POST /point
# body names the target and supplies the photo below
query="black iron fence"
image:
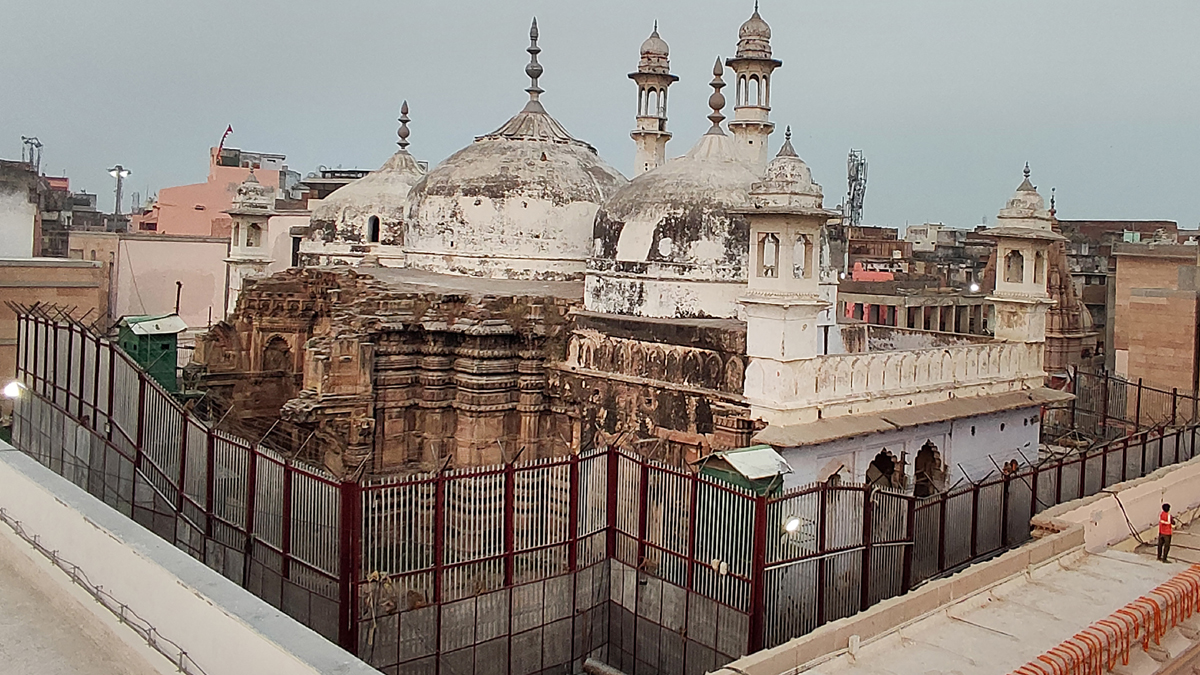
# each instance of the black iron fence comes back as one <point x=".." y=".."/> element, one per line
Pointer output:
<point x="533" y="567"/>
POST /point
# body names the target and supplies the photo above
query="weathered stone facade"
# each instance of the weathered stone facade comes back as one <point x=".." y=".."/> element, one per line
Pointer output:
<point x="396" y="369"/>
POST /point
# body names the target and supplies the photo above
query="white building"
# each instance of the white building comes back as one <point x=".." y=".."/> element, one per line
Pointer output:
<point x="722" y="240"/>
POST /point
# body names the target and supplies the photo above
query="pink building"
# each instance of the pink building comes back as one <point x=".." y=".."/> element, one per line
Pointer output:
<point x="199" y="209"/>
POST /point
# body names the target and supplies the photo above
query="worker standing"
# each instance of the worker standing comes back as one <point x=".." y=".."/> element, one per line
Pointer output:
<point x="1165" y="528"/>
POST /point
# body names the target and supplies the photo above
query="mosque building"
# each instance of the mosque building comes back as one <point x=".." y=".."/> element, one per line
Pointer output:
<point x="523" y="299"/>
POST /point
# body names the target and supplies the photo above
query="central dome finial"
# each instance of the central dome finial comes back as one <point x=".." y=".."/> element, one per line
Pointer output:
<point x="717" y="100"/>
<point x="403" y="132"/>
<point x="534" y="69"/>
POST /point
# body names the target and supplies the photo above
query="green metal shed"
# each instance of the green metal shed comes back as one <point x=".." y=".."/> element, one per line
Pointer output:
<point x="152" y="341"/>
<point x="758" y="468"/>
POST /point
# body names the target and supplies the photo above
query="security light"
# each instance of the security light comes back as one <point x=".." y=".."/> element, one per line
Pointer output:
<point x="13" y="389"/>
<point x="792" y="525"/>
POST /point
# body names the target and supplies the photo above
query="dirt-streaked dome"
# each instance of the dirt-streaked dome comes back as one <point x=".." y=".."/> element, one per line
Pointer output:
<point x="666" y="245"/>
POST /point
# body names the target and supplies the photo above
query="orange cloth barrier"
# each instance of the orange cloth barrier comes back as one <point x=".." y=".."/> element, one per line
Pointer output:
<point x="1096" y="649"/>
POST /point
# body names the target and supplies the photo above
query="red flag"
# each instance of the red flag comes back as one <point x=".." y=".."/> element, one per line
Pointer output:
<point x="228" y="130"/>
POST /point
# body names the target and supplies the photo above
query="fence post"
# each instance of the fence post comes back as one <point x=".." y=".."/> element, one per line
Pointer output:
<point x="614" y="468"/>
<point x="439" y="538"/>
<point x="974" y="521"/>
<point x="1004" y="511"/>
<point x="758" y="574"/>
<point x="1075" y="399"/>
<point x="1142" y="468"/>
<point x="864" y="600"/>
<point x="285" y="534"/>
<point x="112" y="385"/>
<point x="141" y="421"/>
<point x="251" y="494"/>
<point x="573" y="516"/>
<point x="1174" y="405"/>
<point x="1104" y="405"/>
<point x="1033" y="489"/>
<point x="941" y="558"/>
<point x="510" y="518"/>
<point x="210" y="481"/>
<point x="183" y="451"/>
<point x="350" y="542"/>
<point x="643" y="514"/>
<point x="822" y="514"/>
<point x="1103" y="467"/>
<point x="910" y="529"/>
<point x="54" y="365"/>
<point x="1137" y="415"/>
<point x="1124" y="459"/>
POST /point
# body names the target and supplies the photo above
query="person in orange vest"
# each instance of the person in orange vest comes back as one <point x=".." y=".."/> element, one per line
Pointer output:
<point x="1165" y="528"/>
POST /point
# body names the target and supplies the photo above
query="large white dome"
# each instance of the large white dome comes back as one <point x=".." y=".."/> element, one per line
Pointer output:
<point x="517" y="203"/>
<point x="667" y="244"/>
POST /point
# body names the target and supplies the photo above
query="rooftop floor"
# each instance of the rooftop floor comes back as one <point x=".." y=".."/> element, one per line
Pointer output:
<point x="1001" y="629"/>
<point x="47" y="629"/>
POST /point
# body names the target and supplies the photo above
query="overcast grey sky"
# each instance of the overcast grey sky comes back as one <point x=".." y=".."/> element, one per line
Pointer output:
<point x="947" y="98"/>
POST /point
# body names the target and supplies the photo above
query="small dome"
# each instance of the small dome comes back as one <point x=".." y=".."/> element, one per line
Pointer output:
<point x="655" y="55"/>
<point x="655" y="46"/>
<point x="345" y="215"/>
<point x="754" y="38"/>
<point x="1027" y="204"/>
<point x="668" y="244"/>
<point x="252" y="195"/>
<point x="788" y="181"/>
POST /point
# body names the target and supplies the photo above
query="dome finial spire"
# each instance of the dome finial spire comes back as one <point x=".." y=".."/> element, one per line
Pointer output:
<point x="787" y="150"/>
<point x="756" y="6"/>
<point x="717" y="100"/>
<point x="1026" y="186"/>
<point x="403" y="132"/>
<point x="534" y="69"/>
<point x="655" y="27"/>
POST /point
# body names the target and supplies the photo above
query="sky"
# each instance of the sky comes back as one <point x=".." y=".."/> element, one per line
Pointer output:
<point x="946" y="98"/>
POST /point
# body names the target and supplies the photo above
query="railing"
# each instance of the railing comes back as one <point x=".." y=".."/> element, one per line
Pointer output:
<point x="924" y="375"/>
<point x="269" y="524"/>
<point x="535" y="566"/>
<point x="1106" y="407"/>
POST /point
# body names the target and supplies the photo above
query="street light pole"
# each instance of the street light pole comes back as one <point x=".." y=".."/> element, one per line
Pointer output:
<point x="119" y="172"/>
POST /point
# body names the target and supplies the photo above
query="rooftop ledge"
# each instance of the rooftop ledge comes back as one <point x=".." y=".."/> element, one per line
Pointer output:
<point x="223" y="628"/>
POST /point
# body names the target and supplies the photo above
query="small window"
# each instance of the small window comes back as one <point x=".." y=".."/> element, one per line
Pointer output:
<point x="373" y="229"/>
<point x="1014" y="267"/>
<point x="768" y="256"/>
<point x="1002" y="426"/>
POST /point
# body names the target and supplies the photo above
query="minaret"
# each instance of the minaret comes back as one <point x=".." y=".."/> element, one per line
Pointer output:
<point x="653" y="78"/>
<point x="249" y="249"/>
<point x="783" y="298"/>
<point x="1024" y="232"/>
<point x="753" y="65"/>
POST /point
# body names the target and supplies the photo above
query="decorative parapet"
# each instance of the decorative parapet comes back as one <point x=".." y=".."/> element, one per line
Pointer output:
<point x="846" y="384"/>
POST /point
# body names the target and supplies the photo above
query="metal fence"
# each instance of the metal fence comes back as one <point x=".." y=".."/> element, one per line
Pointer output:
<point x="1108" y="407"/>
<point x="533" y="567"/>
<point x="99" y="420"/>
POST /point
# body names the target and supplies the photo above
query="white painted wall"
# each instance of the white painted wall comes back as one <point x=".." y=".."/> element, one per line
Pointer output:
<point x="963" y="443"/>
<point x="17" y="217"/>
<point x="223" y="627"/>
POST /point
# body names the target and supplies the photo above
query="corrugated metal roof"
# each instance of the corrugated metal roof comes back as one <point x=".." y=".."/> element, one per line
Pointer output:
<point x="167" y="324"/>
<point x="755" y="463"/>
<point x="822" y="431"/>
